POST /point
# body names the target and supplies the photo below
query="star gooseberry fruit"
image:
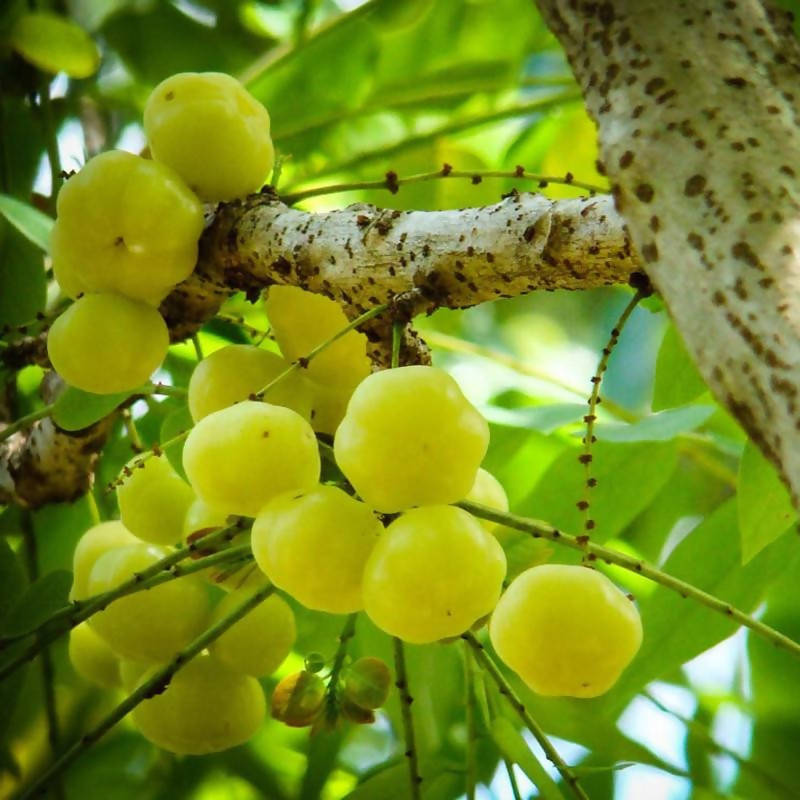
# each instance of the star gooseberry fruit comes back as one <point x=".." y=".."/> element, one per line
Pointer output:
<point x="106" y="343"/>
<point x="566" y="630"/>
<point x="212" y="132"/>
<point x="205" y="708"/>
<point x="433" y="573"/>
<point x="126" y="225"/>
<point x="410" y="438"/>
<point x="240" y="457"/>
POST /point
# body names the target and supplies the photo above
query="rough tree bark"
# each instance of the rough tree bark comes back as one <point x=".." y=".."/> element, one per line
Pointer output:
<point x="698" y="125"/>
<point x="697" y="106"/>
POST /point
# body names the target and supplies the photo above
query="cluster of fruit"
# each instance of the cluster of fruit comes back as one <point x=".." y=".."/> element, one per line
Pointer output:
<point x="127" y="227"/>
<point x="383" y="536"/>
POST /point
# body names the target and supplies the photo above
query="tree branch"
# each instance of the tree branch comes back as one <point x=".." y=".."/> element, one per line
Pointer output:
<point x="697" y="111"/>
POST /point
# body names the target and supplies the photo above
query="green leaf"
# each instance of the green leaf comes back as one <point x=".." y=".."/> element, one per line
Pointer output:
<point x="765" y="508"/>
<point x="513" y="746"/>
<point x="677" y="380"/>
<point x="55" y="44"/>
<point x="29" y="221"/>
<point x="75" y="409"/>
<point x="175" y="423"/>
<point x="545" y="418"/>
<point x="629" y="475"/>
<point x="677" y="629"/>
<point x="38" y="602"/>
<point x="23" y="284"/>
<point x="658" y="427"/>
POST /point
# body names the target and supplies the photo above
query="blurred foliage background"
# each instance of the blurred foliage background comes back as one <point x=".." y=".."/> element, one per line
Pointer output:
<point x="355" y="89"/>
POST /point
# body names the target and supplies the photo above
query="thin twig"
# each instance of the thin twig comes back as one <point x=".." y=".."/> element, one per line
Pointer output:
<point x="331" y="695"/>
<point x="415" y="779"/>
<point x="79" y="611"/>
<point x="391" y="182"/>
<point x="26" y="421"/>
<point x="154" y="685"/>
<point x="302" y="363"/>
<point x="585" y="457"/>
<point x="471" y="723"/>
<point x="540" y="530"/>
<point x="397" y="340"/>
<point x="504" y="687"/>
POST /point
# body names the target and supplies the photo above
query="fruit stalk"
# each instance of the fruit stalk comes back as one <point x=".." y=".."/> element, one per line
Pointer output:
<point x="152" y="686"/>
<point x="406" y="700"/>
<point x="485" y="661"/>
<point x="164" y="570"/>
<point x="348" y="632"/>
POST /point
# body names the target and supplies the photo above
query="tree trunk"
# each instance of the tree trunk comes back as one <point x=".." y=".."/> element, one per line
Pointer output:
<point x="696" y="103"/>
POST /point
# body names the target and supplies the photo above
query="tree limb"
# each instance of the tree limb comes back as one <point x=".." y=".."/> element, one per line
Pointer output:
<point x="697" y="112"/>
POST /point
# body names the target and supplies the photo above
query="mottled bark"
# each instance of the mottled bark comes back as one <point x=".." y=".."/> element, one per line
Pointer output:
<point x="362" y="256"/>
<point x="696" y="103"/>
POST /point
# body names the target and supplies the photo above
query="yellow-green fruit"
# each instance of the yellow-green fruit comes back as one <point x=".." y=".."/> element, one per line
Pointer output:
<point x="200" y="519"/>
<point x="258" y="644"/>
<point x="105" y="343"/>
<point x="410" y="438"/>
<point x="126" y="225"/>
<point x="212" y="132"/>
<point x="239" y="458"/>
<point x="328" y="406"/>
<point x="96" y="541"/>
<point x="314" y="546"/>
<point x="92" y="658"/>
<point x="566" y="630"/>
<point x="149" y="625"/>
<point x="488" y="491"/>
<point x="235" y="372"/>
<point x="153" y="501"/>
<point x="297" y="699"/>
<point x="206" y="708"/>
<point x="131" y="671"/>
<point x="432" y="574"/>
<point x="302" y="320"/>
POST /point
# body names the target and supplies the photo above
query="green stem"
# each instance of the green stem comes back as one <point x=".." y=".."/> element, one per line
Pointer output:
<point x="51" y="141"/>
<point x="133" y="433"/>
<point x="251" y="330"/>
<point x="74" y="614"/>
<point x="397" y="341"/>
<point x="46" y="659"/>
<point x="331" y="695"/>
<point x="198" y="348"/>
<point x="154" y="685"/>
<point x="504" y="687"/>
<point x="540" y="530"/>
<point x="26" y="421"/>
<point x="472" y="732"/>
<point x="415" y="779"/>
<point x="303" y="362"/>
<point x="585" y="457"/>
<point x="391" y="183"/>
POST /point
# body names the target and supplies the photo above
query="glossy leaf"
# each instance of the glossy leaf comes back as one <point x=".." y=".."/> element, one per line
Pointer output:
<point x="76" y="409"/>
<point x="29" y="221"/>
<point x="677" y="380"/>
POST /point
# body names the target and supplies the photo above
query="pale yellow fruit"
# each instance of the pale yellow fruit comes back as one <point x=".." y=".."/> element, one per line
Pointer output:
<point x="433" y="573"/>
<point x="259" y="642"/>
<point x="153" y="500"/>
<point x="239" y="458"/>
<point x="237" y="371"/>
<point x="106" y="343"/>
<point x="96" y="541"/>
<point x="212" y="132"/>
<point x="302" y="320"/>
<point x="125" y="225"/>
<point x="92" y="658"/>
<point x="488" y="491"/>
<point x="410" y="438"/>
<point x="314" y="546"/>
<point x="131" y="671"/>
<point x="150" y="625"/>
<point x="205" y="708"/>
<point x="566" y="630"/>
<point x="328" y="406"/>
